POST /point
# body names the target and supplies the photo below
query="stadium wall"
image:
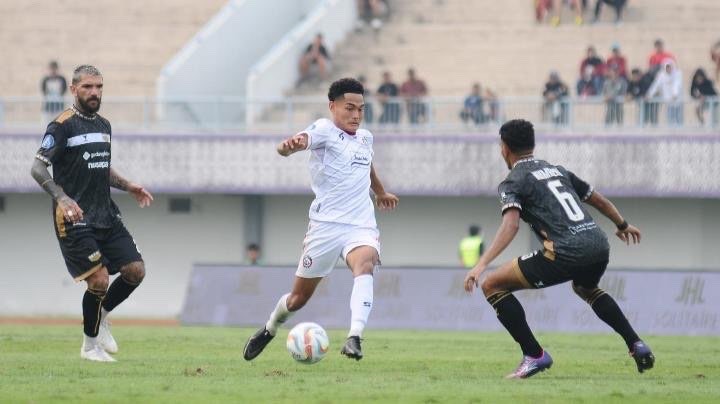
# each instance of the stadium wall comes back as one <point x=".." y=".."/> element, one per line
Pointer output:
<point x="679" y="234"/>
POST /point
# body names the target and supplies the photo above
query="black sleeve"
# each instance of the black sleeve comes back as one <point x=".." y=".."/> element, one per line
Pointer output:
<point x="64" y="85"/>
<point x="43" y="85"/>
<point x="53" y="144"/>
<point x="510" y="195"/>
<point x="582" y="188"/>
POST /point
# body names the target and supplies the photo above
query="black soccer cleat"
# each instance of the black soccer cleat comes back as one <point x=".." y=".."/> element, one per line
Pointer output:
<point x="255" y="344"/>
<point x="643" y="356"/>
<point x="352" y="348"/>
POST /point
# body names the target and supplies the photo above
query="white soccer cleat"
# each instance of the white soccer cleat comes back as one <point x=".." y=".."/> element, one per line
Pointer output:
<point x="95" y="354"/>
<point x="105" y="338"/>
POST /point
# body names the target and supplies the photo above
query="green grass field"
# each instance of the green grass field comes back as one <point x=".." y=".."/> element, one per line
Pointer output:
<point x="181" y="364"/>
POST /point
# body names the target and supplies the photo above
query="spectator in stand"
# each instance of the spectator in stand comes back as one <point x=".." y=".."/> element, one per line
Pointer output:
<point x="616" y="4"/>
<point x="555" y="106"/>
<point x="315" y="54"/>
<point x="598" y="73"/>
<point x="252" y="255"/>
<point x="638" y="86"/>
<point x="700" y="89"/>
<point x="473" y="106"/>
<point x="587" y="86"/>
<point x="493" y="103"/>
<point x="53" y="87"/>
<point x="372" y="12"/>
<point x="575" y="5"/>
<point x="368" y="111"/>
<point x="715" y="56"/>
<point x="386" y="94"/>
<point x="617" y="61"/>
<point x="413" y="89"/>
<point x="658" y="56"/>
<point x="668" y="87"/>
<point x="614" y="90"/>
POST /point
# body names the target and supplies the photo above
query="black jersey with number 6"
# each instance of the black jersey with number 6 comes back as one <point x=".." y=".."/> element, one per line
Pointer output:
<point x="550" y="199"/>
<point x="78" y="148"/>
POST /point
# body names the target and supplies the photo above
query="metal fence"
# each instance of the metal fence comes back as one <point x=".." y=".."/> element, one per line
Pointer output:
<point x="427" y="115"/>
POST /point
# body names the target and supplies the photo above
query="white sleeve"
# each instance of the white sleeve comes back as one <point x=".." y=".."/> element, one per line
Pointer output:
<point x="318" y="134"/>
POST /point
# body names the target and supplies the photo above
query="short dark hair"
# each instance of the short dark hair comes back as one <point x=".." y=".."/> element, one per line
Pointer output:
<point x="518" y="135"/>
<point x="253" y="247"/>
<point x="474" y="230"/>
<point x="343" y="86"/>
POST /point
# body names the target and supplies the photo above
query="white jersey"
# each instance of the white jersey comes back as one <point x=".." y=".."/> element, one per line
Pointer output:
<point x="340" y="174"/>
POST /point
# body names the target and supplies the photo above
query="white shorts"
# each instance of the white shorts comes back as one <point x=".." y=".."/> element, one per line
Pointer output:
<point x="325" y="242"/>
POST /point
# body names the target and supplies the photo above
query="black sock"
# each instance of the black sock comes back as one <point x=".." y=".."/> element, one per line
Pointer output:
<point x="91" y="311"/>
<point x="511" y="314"/>
<point x="119" y="290"/>
<point x="605" y="307"/>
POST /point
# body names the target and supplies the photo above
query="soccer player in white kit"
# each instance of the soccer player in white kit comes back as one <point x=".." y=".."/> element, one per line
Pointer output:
<point x="342" y="216"/>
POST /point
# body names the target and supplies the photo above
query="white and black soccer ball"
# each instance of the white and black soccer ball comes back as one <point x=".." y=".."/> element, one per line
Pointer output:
<point x="308" y="343"/>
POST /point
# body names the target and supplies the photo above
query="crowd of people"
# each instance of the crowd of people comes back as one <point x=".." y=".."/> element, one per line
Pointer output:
<point x="660" y="85"/>
<point x="553" y="9"/>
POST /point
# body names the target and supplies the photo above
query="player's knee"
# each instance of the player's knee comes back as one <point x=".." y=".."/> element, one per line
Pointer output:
<point x="489" y="286"/>
<point x="133" y="272"/>
<point x="584" y="293"/>
<point x="98" y="281"/>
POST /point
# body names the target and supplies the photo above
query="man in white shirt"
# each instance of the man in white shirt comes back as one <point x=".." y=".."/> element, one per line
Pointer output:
<point x="342" y="216"/>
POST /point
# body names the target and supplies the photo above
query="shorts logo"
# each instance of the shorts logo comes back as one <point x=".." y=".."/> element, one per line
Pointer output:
<point x="528" y="256"/>
<point x="48" y="142"/>
<point x="307" y="261"/>
<point x="94" y="256"/>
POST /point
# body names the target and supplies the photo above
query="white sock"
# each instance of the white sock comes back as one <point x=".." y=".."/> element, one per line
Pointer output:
<point x="361" y="302"/>
<point x="279" y="315"/>
<point x="89" y="343"/>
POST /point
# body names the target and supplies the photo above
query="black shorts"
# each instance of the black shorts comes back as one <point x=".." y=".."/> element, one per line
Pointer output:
<point x="87" y="249"/>
<point x="541" y="271"/>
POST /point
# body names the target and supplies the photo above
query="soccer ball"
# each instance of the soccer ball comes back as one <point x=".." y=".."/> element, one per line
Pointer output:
<point x="308" y="343"/>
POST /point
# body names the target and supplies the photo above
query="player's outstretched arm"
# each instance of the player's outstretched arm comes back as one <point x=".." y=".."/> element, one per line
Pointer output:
<point x="505" y="234"/>
<point x="141" y="195"/>
<point x="384" y="200"/>
<point x="625" y="231"/>
<point x="71" y="210"/>
<point x="293" y="144"/>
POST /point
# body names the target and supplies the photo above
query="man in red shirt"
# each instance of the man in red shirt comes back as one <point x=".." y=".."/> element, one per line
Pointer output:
<point x="657" y="57"/>
<point x="413" y="89"/>
<point x="617" y="61"/>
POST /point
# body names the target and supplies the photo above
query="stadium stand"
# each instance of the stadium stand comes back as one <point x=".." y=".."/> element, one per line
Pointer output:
<point x="142" y="37"/>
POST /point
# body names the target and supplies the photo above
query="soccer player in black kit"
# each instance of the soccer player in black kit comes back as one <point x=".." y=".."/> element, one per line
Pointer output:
<point x="575" y="249"/>
<point x="88" y="225"/>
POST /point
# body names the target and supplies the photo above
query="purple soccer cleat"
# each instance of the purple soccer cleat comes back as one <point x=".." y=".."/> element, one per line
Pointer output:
<point x="529" y="366"/>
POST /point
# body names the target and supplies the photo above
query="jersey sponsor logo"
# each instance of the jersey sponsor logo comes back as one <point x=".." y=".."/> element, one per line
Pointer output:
<point x="87" y="138"/>
<point x="307" y="261"/>
<point x="88" y="156"/>
<point x="94" y="256"/>
<point x="48" y="142"/>
<point x="99" y="164"/>
<point x="360" y="159"/>
<point x="546" y="173"/>
<point x="582" y="227"/>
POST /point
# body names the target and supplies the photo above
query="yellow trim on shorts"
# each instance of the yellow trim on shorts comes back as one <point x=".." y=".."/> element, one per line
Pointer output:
<point x="519" y="274"/>
<point x="88" y="273"/>
<point x="60" y="222"/>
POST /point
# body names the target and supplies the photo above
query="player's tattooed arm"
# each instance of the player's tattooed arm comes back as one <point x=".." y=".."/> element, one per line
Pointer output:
<point x="40" y="173"/>
<point x="383" y="199"/>
<point x="117" y="181"/>
<point x="142" y="196"/>
<point x="70" y="209"/>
